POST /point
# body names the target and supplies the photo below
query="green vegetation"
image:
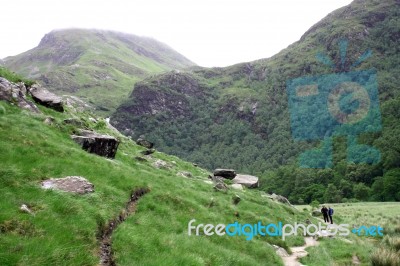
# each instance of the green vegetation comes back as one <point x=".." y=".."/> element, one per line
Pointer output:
<point x="241" y="120"/>
<point x="64" y="226"/>
<point x="368" y="250"/>
<point x="13" y="77"/>
<point x="100" y="67"/>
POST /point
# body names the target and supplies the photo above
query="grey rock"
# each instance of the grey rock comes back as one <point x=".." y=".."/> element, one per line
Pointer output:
<point x="92" y="142"/>
<point x="184" y="174"/>
<point x="49" y="120"/>
<point x="16" y="94"/>
<point x="225" y="173"/>
<point x="236" y="199"/>
<point x="46" y="98"/>
<point x="160" y="164"/>
<point x="279" y="198"/>
<point x="221" y="187"/>
<point x="24" y="208"/>
<point x="246" y="180"/>
<point x="237" y="186"/>
<point x="145" y="143"/>
<point x="74" y="122"/>
<point x="74" y="184"/>
<point x="281" y="252"/>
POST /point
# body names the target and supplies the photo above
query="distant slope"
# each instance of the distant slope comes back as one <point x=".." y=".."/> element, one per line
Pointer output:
<point x="238" y="116"/>
<point x="100" y="66"/>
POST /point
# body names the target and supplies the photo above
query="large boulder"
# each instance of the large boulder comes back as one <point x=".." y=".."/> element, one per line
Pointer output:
<point x="225" y="173"/>
<point x="46" y="98"/>
<point x="145" y="143"/>
<point x="16" y="94"/>
<point x="74" y="184"/>
<point x="246" y="180"/>
<point x="92" y="142"/>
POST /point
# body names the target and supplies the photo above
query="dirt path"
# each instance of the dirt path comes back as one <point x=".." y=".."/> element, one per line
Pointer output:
<point x="299" y="252"/>
<point x="105" y="233"/>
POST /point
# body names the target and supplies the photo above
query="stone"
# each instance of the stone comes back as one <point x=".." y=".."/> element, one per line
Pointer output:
<point x="316" y="213"/>
<point x="46" y="98"/>
<point x="221" y="187"/>
<point x="281" y="252"/>
<point x="237" y="186"/>
<point x="248" y="181"/>
<point x="73" y="184"/>
<point x="49" y="120"/>
<point x="25" y="208"/>
<point x="279" y="198"/>
<point x="225" y="173"/>
<point x="184" y="174"/>
<point x="236" y="199"/>
<point x="16" y="94"/>
<point x="92" y="142"/>
<point x="148" y="151"/>
<point x="74" y="122"/>
<point x="75" y="104"/>
<point x="160" y="164"/>
<point x="145" y="143"/>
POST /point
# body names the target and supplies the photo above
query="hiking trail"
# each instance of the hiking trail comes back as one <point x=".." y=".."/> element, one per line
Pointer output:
<point x="299" y="252"/>
<point x="105" y="233"/>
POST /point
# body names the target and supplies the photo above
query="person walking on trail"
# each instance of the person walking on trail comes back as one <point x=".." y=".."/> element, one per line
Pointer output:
<point x="324" y="211"/>
<point x="330" y="213"/>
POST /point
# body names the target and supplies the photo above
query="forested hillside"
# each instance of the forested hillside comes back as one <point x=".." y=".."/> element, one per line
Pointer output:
<point x="239" y="116"/>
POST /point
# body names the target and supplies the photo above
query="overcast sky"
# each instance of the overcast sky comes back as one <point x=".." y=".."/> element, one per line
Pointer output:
<point x="208" y="32"/>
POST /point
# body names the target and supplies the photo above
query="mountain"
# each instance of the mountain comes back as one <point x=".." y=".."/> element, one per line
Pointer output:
<point x="99" y="66"/>
<point x="239" y="116"/>
<point x="129" y="208"/>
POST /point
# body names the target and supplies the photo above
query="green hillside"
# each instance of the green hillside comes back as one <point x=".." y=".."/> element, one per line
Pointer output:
<point x="239" y="116"/>
<point x="99" y="66"/>
<point x="49" y="227"/>
<point x="64" y="228"/>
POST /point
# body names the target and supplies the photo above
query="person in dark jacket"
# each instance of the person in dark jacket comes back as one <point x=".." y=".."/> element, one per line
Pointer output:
<point x="330" y="213"/>
<point x="324" y="211"/>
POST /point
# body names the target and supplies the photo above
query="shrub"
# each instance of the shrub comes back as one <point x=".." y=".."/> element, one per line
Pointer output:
<point x="385" y="257"/>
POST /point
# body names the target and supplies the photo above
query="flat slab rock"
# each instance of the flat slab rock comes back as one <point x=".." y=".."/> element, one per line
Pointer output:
<point x="92" y="142"/>
<point x="73" y="184"/>
<point x="225" y="173"/>
<point x="46" y="98"/>
<point x="246" y="180"/>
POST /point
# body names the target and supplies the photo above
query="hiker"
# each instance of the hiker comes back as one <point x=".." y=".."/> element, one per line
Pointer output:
<point x="330" y="213"/>
<point x="324" y="211"/>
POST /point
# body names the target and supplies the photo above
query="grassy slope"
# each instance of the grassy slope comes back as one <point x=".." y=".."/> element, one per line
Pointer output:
<point x="99" y="66"/>
<point x="384" y="214"/>
<point x="63" y="230"/>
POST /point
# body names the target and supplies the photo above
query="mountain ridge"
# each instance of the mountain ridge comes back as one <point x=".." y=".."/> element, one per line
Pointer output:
<point x="100" y="66"/>
<point x="244" y="122"/>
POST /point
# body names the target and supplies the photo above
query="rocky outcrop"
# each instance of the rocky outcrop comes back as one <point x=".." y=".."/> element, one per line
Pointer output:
<point x="74" y="184"/>
<point x="279" y="198"/>
<point x="160" y="164"/>
<point x="225" y="173"/>
<point x="16" y="94"/>
<point x="46" y="98"/>
<point x="246" y="180"/>
<point x="145" y="143"/>
<point x="92" y="142"/>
